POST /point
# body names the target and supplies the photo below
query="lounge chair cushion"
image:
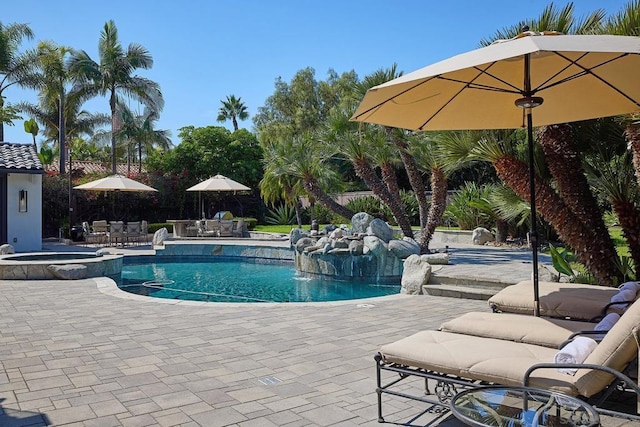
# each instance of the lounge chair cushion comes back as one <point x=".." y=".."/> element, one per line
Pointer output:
<point x="505" y="362"/>
<point x="478" y="358"/>
<point x="571" y="300"/>
<point x="528" y="329"/>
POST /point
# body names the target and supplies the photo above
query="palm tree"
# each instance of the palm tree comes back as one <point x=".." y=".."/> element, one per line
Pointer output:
<point x="50" y="77"/>
<point x="140" y="130"/>
<point x="362" y="150"/>
<point x="15" y="67"/>
<point x="233" y="109"/>
<point x="304" y="158"/>
<point x="114" y="75"/>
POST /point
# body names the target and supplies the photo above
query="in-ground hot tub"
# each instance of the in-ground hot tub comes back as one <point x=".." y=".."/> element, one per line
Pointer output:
<point x="36" y="265"/>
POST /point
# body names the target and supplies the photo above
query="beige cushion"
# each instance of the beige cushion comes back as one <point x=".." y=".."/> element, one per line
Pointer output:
<point x="528" y="329"/>
<point x="573" y="300"/>
<point x="505" y="362"/>
<point x="477" y="358"/>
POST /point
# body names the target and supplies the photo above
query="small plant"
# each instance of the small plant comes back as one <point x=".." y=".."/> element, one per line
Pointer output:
<point x="561" y="259"/>
<point x="282" y="215"/>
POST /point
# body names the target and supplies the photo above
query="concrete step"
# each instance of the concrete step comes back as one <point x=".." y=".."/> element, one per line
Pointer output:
<point x="453" y="291"/>
<point x="486" y="283"/>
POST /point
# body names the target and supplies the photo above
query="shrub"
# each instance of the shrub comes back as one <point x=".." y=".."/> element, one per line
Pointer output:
<point x="157" y="226"/>
<point x="467" y="208"/>
<point x="281" y="215"/>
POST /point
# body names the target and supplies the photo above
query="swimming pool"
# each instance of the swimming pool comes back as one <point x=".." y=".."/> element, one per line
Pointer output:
<point x="236" y="281"/>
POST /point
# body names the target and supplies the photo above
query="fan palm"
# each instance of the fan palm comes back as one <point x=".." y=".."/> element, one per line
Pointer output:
<point x="114" y="75"/>
<point x="15" y="67"/>
<point x="232" y="109"/>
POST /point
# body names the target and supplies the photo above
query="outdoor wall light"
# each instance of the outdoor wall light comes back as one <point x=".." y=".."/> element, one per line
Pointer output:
<point x="22" y="201"/>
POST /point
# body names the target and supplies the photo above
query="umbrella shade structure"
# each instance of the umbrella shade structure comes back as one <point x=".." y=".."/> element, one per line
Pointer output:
<point x="534" y="79"/>
<point x="218" y="183"/>
<point x="115" y="183"/>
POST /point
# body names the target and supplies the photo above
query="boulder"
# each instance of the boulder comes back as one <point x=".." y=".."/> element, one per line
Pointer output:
<point x="160" y="236"/>
<point x="101" y="252"/>
<point x="297" y="234"/>
<point x="380" y="229"/>
<point x="338" y="233"/>
<point x="302" y="243"/>
<point x="340" y="244"/>
<point x="415" y="274"/>
<point x="437" y="259"/>
<point x="68" y="271"/>
<point x="356" y="247"/>
<point x="375" y="245"/>
<point x="404" y="248"/>
<point x="545" y="274"/>
<point x="360" y="222"/>
<point x="7" y="249"/>
<point x="481" y="235"/>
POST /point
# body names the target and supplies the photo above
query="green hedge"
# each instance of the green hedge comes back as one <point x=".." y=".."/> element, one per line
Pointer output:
<point x="157" y="226"/>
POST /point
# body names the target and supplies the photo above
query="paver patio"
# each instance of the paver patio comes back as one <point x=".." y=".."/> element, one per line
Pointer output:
<point x="82" y="353"/>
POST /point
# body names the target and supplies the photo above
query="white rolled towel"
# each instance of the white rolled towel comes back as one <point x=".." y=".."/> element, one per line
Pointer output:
<point x="575" y="352"/>
<point x="606" y="323"/>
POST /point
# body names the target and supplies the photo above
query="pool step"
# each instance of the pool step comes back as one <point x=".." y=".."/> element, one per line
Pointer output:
<point x="457" y="286"/>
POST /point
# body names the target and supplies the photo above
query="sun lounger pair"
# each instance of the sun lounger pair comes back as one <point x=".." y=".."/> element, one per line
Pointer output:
<point x="512" y="350"/>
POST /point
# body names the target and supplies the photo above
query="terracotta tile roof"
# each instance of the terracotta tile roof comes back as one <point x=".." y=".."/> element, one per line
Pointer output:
<point x="91" y="167"/>
<point x="19" y="157"/>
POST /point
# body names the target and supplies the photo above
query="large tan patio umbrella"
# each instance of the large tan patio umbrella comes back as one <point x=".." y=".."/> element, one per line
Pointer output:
<point x="114" y="183"/>
<point x="217" y="183"/>
<point x="534" y="79"/>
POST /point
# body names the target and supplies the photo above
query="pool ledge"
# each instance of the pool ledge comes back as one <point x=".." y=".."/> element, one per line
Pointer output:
<point x="13" y="268"/>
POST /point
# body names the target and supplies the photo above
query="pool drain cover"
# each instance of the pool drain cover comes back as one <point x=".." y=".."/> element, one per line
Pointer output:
<point x="270" y="380"/>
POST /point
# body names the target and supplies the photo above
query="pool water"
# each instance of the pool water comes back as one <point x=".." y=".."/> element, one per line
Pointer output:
<point x="238" y="281"/>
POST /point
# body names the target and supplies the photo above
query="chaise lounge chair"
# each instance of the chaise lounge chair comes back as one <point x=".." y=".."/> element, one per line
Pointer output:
<point x="458" y="361"/>
<point x="561" y="300"/>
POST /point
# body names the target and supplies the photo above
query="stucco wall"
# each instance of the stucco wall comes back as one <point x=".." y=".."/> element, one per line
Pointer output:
<point x="24" y="229"/>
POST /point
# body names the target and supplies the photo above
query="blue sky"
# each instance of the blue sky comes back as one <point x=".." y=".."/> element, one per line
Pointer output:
<point x="205" y="50"/>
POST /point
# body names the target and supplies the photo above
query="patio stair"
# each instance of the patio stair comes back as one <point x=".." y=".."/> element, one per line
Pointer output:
<point x="457" y="286"/>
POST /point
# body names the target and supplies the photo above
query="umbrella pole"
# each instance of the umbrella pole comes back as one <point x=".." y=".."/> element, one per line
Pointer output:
<point x="533" y="233"/>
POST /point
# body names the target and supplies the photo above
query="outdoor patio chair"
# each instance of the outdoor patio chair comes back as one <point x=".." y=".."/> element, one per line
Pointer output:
<point x="208" y="228"/>
<point x="239" y="228"/>
<point x="100" y="226"/>
<point x="457" y="361"/>
<point x="116" y="233"/>
<point x="133" y="232"/>
<point x="144" y="231"/>
<point x="92" y="237"/>
<point x="226" y="228"/>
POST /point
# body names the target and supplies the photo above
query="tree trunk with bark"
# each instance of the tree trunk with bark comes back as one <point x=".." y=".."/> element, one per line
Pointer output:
<point x="564" y="162"/>
<point x="629" y="217"/>
<point x="314" y="189"/>
<point x="514" y="173"/>
<point x="417" y="185"/>
<point x="365" y="171"/>
<point x="438" y="205"/>
<point x="633" y="136"/>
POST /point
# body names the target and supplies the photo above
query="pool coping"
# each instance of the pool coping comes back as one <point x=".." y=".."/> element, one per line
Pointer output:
<point x="109" y="287"/>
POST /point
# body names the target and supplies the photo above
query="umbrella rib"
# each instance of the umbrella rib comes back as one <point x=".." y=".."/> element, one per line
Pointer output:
<point x="587" y="71"/>
<point x="469" y="84"/>
<point x="394" y="96"/>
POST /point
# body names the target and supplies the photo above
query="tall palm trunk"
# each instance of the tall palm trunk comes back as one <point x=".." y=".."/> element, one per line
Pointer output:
<point x="633" y="136"/>
<point x="391" y="181"/>
<point x="563" y="159"/>
<point x="551" y="206"/>
<point x="311" y="185"/>
<point x="417" y="185"/>
<point x="365" y="171"/>
<point x="114" y="125"/>
<point x="438" y="205"/>
<point x="629" y="217"/>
